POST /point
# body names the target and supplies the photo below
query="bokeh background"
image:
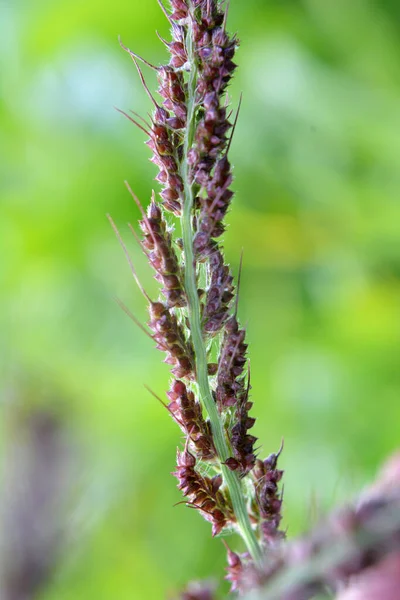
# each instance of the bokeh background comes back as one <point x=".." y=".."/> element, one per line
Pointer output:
<point x="317" y="166"/>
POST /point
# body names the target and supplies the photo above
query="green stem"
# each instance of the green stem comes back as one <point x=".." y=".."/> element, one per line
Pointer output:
<point x="221" y="444"/>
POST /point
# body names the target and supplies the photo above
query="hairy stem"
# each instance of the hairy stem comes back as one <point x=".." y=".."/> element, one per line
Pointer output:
<point x="221" y="443"/>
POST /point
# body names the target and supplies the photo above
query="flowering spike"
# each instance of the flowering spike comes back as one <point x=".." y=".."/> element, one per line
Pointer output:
<point x="190" y="135"/>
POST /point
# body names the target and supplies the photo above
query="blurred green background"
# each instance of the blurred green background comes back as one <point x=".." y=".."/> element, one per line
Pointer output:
<point x="317" y="166"/>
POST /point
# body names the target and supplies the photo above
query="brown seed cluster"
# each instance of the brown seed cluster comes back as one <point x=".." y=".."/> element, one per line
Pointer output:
<point x="231" y="364"/>
<point x="170" y="337"/>
<point x="166" y="153"/>
<point x="214" y="200"/>
<point x="203" y="492"/>
<point x="187" y="412"/>
<point x="233" y="391"/>
<point x="219" y="294"/>
<point x="158" y="246"/>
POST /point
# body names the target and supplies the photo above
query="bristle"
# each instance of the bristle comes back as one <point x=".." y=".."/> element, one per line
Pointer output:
<point x="226" y="12"/>
<point x="134" y="56"/>
<point x="239" y="278"/>
<point x="164" y="41"/>
<point x="148" y="133"/>
<point x="128" y="258"/>
<point x="161" y="5"/>
<point x="163" y="404"/>
<point x="132" y="317"/>
<point x="148" y="125"/>
<point x="234" y="124"/>
<point x="142" y="79"/>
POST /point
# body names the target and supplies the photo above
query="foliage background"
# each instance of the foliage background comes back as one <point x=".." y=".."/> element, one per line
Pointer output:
<point x="317" y="155"/>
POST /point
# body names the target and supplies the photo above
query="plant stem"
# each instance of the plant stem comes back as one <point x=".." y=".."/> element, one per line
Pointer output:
<point x="221" y="443"/>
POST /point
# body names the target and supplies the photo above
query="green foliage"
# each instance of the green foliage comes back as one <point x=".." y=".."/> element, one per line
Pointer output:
<point x="317" y="156"/>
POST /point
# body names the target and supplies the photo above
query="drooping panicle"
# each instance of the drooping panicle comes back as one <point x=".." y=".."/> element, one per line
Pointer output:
<point x="203" y="492"/>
